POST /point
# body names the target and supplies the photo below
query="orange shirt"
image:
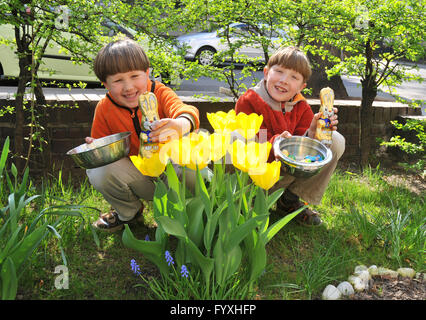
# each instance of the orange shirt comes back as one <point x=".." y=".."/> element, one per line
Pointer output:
<point x="110" y="118"/>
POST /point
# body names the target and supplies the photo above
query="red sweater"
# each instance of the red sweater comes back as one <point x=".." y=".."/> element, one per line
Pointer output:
<point x="110" y="118"/>
<point x="295" y="117"/>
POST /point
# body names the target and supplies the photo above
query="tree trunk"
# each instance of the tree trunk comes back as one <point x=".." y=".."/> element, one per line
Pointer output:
<point x="369" y="93"/>
<point x="19" y="147"/>
<point x="319" y="78"/>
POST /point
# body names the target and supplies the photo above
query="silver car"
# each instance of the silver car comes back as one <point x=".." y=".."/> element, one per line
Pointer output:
<point x="202" y="46"/>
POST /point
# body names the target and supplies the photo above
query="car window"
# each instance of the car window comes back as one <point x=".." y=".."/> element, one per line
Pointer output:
<point x="111" y="29"/>
<point x="241" y="30"/>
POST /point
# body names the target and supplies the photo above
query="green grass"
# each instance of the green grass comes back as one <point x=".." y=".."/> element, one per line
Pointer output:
<point x="367" y="221"/>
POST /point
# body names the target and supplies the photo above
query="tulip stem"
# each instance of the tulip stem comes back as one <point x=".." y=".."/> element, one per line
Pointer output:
<point x="183" y="185"/>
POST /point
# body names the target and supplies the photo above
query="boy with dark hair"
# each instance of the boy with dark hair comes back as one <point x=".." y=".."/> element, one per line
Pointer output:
<point x="123" y="68"/>
<point x="285" y="113"/>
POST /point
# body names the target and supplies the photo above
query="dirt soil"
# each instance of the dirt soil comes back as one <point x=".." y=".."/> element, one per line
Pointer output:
<point x="386" y="288"/>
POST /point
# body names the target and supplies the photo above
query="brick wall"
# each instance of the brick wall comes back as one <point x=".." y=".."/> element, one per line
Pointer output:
<point x="67" y="127"/>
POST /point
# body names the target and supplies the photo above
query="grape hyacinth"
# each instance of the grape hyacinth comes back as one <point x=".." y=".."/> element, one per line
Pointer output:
<point x="147" y="238"/>
<point x="135" y="267"/>
<point x="184" y="271"/>
<point x="169" y="258"/>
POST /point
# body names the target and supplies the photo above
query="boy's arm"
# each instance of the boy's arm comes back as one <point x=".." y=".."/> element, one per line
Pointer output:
<point x="99" y="126"/>
<point x="171" y="106"/>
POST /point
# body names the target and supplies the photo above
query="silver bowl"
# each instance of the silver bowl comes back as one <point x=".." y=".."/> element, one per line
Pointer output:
<point x="101" y="151"/>
<point x="300" y="147"/>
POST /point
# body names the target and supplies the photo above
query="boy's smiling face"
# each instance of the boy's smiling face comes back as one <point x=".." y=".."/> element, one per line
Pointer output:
<point x="282" y="83"/>
<point x="126" y="87"/>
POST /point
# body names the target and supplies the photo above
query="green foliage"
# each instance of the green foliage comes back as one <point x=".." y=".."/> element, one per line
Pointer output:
<point x="413" y="148"/>
<point x="221" y="232"/>
<point x="17" y="242"/>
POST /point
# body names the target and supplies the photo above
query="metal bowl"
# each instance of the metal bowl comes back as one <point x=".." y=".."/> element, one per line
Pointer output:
<point x="101" y="151"/>
<point x="300" y="147"/>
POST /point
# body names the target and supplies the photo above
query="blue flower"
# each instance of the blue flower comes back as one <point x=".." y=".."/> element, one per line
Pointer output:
<point x="135" y="267"/>
<point x="184" y="271"/>
<point x="169" y="258"/>
<point x="147" y="238"/>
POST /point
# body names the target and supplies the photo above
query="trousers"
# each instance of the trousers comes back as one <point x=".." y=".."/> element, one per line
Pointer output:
<point x="122" y="185"/>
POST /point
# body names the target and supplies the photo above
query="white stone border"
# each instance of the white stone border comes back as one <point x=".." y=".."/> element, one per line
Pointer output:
<point x="361" y="280"/>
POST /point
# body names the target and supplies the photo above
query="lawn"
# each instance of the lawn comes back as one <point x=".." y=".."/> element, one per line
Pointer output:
<point x="369" y="218"/>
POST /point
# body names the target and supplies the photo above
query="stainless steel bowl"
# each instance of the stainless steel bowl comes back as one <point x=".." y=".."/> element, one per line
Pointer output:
<point x="101" y="151"/>
<point x="300" y="147"/>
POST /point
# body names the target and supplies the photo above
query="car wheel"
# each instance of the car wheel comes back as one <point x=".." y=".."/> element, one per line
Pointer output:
<point x="205" y="56"/>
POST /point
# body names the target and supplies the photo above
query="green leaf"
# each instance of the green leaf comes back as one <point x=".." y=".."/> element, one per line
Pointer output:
<point x="232" y="210"/>
<point x="172" y="178"/>
<point x="219" y="261"/>
<point x="171" y="226"/>
<point x="23" y="185"/>
<point x="277" y="226"/>
<point x="239" y="233"/>
<point x="153" y="250"/>
<point x="272" y="198"/>
<point x="258" y="261"/>
<point x="160" y="199"/>
<point x="202" y="190"/>
<point x="29" y="244"/>
<point x="206" y="264"/>
<point x="11" y="242"/>
<point x="3" y="229"/>
<point x="260" y="203"/>
<point x="4" y="154"/>
<point x="194" y="210"/>
<point x="14" y="171"/>
<point x="232" y="262"/>
<point x="211" y="225"/>
<point x="95" y="236"/>
<point x="9" y="281"/>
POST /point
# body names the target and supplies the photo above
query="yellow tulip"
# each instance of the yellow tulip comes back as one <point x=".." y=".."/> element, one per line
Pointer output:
<point x="245" y="156"/>
<point x="266" y="174"/>
<point x="152" y="166"/>
<point x="219" y="142"/>
<point x="222" y="121"/>
<point x="188" y="151"/>
<point x="200" y="150"/>
<point x="178" y="150"/>
<point x="248" y="125"/>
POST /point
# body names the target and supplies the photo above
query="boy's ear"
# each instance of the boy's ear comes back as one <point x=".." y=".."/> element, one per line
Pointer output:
<point x="265" y="71"/>
<point x="303" y="86"/>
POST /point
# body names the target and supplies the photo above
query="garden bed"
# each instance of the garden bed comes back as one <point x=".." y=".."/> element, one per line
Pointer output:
<point x="387" y="288"/>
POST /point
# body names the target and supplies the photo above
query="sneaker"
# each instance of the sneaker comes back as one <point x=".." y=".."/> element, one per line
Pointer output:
<point x="111" y="222"/>
<point x="307" y="217"/>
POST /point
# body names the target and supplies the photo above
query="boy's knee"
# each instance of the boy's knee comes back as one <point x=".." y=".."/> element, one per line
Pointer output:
<point x="98" y="177"/>
<point x="338" y="145"/>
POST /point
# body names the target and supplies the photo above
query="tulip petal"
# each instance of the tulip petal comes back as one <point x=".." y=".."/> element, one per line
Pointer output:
<point x="266" y="174"/>
<point x="152" y="166"/>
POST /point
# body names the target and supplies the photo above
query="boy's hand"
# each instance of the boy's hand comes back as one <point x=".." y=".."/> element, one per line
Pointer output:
<point x="167" y="129"/>
<point x="285" y="135"/>
<point x="317" y="116"/>
<point x="89" y="140"/>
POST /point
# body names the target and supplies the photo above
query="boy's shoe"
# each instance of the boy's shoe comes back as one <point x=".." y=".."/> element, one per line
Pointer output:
<point x="307" y="217"/>
<point x="111" y="222"/>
